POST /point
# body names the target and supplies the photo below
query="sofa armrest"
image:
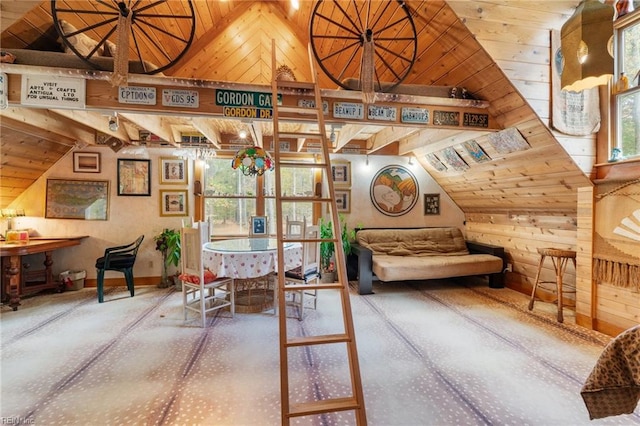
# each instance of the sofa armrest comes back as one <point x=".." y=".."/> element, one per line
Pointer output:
<point x="495" y="280"/>
<point x="365" y="266"/>
<point x="476" y="247"/>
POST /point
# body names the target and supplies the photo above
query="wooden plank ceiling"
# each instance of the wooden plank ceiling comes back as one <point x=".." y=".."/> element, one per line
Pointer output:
<point x="233" y="43"/>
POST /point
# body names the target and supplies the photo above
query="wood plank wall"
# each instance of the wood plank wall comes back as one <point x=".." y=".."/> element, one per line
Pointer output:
<point x="522" y="49"/>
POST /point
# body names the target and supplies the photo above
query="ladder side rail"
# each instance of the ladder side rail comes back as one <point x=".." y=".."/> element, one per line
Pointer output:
<point x="281" y="305"/>
<point x="347" y="316"/>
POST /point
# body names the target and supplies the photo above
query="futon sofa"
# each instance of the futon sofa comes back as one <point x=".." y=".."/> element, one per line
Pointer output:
<point x="401" y="254"/>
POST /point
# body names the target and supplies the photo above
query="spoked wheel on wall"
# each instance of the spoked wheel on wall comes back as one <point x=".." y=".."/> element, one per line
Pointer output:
<point x="160" y="31"/>
<point x="375" y="40"/>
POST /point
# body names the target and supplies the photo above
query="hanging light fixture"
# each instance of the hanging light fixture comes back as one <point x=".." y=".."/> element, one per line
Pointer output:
<point x="586" y="41"/>
<point x="252" y="161"/>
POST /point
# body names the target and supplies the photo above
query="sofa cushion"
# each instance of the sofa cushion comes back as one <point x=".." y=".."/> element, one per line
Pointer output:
<point x="400" y="268"/>
<point x="414" y="242"/>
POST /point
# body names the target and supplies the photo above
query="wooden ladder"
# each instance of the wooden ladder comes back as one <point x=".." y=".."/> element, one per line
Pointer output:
<point x="355" y="401"/>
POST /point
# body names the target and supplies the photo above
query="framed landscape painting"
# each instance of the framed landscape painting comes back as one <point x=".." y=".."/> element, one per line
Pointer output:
<point x="77" y="199"/>
<point x="86" y="162"/>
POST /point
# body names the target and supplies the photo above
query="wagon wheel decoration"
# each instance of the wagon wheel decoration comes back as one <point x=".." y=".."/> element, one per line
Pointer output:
<point x="376" y="41"/>
<point x="157" y="33"/>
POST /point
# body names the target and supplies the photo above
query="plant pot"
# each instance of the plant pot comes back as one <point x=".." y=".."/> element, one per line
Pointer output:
<point x="328" y="277"/>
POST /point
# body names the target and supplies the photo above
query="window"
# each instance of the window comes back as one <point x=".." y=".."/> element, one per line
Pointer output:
<point x="231" y="199"/>
<point x="627" y="99"/>
<point x="297" y="182"/>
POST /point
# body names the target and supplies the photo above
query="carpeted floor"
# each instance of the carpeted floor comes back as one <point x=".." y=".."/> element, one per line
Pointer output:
<point x="431" y="353"/>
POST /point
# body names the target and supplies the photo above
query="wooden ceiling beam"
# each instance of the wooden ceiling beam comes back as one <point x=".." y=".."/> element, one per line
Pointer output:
<point x="94" y="120"/>
<point x="347" y="133"/>
<point x="256" y="132"/>
<point x="207" y="127"/>
<point x="389" y="135"/>
<point x="28" y="129"/>
<point x="428" y="141"/>
<point x="50" y="125"/>
<point x="154" y="124"/>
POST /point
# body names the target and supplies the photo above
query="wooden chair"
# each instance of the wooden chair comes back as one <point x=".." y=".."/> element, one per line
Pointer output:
<point x="202" y="291"/>
<point x="121" y="259"/>
<point x="308" y="273"/>
<point x="294" y="228"/>
<point x="560" y="258"/>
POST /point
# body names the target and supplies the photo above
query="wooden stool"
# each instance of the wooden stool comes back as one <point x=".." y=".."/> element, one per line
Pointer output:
<point x="560" y="258"/>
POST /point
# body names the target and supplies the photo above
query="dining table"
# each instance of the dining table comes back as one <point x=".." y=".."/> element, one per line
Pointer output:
<point x="253" y="265"/>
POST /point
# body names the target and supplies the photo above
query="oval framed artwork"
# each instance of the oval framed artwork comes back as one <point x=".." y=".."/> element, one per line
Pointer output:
<point x="394" y="190"/>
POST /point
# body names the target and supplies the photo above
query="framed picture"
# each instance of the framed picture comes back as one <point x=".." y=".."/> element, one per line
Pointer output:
<point x="341" y="173"/>
<point x="394" y="190"/>
<point x="431" y="204"/>
<point x="258" y="225"/>
<point x="134" y="177"/>
<point x="77" y="199"/>
<point x="173" y="170"/>
<point x="343" y="200"/>
<point x="86" y="162"/>
<point x="174" y="202"/>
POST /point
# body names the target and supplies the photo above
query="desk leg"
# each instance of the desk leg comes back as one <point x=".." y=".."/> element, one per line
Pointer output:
<point x="12" y="276"/>
<point x="48" y="272"/>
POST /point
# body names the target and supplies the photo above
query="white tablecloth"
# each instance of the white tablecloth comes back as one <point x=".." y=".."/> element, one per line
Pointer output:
<point x="250" y="263"/>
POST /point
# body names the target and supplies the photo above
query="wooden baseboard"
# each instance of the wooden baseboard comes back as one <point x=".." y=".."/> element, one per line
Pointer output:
<point x="584" y="321"/>
<point x="117" y="282"/>
<point x="607" y="328"/>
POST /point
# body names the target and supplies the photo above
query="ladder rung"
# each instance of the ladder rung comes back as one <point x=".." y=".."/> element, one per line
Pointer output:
<point x="297" y="110"/>
<point x="300" y="135"/>
<point x="321" y="286"/>
<point x="301" y="164"/>
<point x="318" y="340"/>
<point x="310" y="199"/>
<point x="311" y="240"/>
<point x="323" y="406"/>
<point x="295" y="84"/>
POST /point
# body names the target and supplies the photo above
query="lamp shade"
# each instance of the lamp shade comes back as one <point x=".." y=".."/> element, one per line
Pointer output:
<point x="586" y="43"/>
<point x="252" y="161"/>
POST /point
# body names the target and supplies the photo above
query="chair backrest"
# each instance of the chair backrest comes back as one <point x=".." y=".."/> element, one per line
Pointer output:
<point x="295" y="228"/>
<point x="121" y="256"/>
<point x="136" y="245"/>
<point x="311" y="251"/>
<point x="130" y="249"/>
<point x="192" y="239"/>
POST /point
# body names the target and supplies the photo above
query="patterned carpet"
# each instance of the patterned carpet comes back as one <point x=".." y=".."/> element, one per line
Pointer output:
<point x="431" y="353"/>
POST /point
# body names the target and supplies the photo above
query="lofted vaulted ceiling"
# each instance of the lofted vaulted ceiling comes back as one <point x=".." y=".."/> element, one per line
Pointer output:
<point x="232" y="43"/>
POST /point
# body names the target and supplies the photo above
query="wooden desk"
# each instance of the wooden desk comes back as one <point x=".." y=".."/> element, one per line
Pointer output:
<point x="11" y="255"/>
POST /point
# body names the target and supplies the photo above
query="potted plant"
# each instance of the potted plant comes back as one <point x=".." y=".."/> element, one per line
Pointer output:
<point x="168" y="243"/>
<point x="327" y="249"/>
